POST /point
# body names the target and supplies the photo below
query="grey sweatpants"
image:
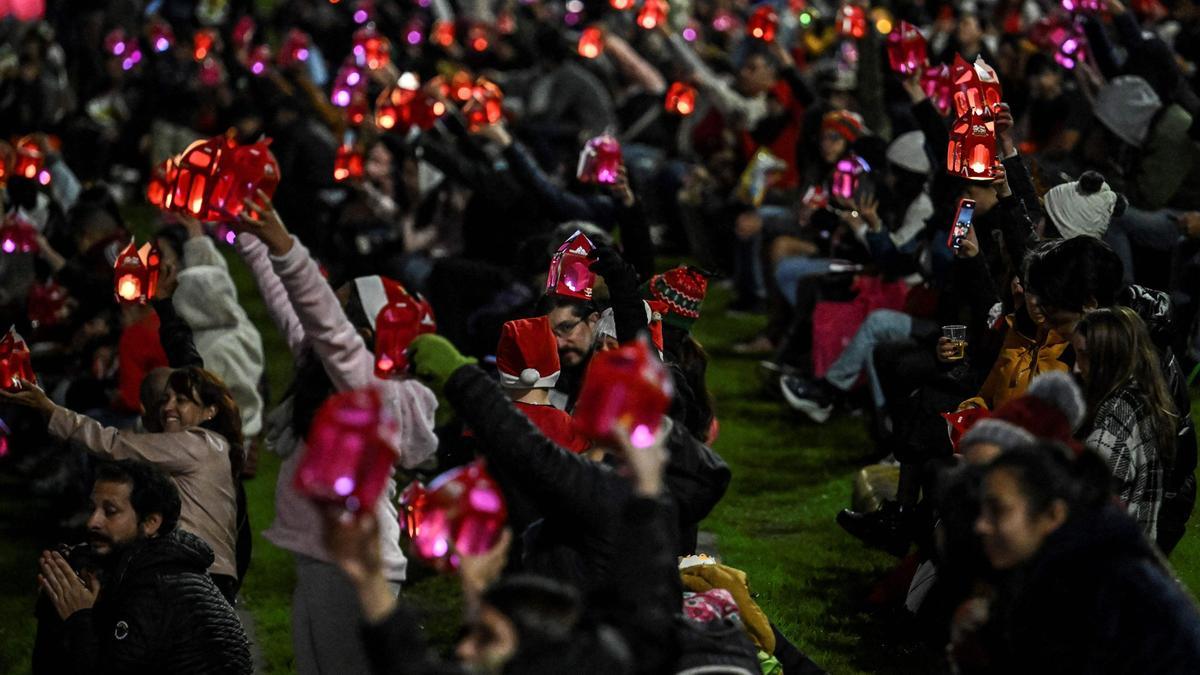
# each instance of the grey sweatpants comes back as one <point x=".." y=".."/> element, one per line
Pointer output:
<point x="327" y="621"/>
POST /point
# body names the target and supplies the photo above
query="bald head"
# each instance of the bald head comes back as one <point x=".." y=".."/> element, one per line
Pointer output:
<point x="151" y="394"/>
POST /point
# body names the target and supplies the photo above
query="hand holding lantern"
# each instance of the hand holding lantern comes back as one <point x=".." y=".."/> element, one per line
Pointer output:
<point x="15" y="362"/>
<point x="399" y="323"/>
<point x="349" y="458"/>
<point x="591" y="42"/>
<point x="625" y="388"/>
<point x="570" y="269"/>
<point x="972" y="148"/>
<point x="763" y="23"/>
<point x="135" y="273"/>
<point x="462" y="512"/>
<point x="599" y="161"/>
<point x="906" y="48"/>
<point x="681" y="99"/>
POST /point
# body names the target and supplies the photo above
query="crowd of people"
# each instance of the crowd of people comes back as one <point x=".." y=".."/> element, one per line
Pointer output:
<point x="1020" y="336"/>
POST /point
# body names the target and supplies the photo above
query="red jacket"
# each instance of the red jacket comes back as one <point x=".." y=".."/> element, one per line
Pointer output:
<point x="140" y="352"/>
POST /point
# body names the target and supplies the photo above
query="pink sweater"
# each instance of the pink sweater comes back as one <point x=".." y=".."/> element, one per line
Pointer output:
<point x="308" y="314"/>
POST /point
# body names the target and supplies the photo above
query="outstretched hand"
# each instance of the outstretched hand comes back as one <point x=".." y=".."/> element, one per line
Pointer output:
<point x="260" y="218"/>
<point x="29" y="395"/>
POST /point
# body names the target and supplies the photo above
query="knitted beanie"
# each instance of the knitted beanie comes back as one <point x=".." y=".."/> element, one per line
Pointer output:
<point x="849" y="125"/>
<point x="1051" y="408"/>
<point x="1084" y="207"/>
<point x="682" y="289"/>
<point x="908" y="152"/>
<point x="1126" y="106"/>
<point x="1005" y="435"/>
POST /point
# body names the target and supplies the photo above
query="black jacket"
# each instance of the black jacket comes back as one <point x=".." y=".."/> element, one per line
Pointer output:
<point x="158" y="612"/>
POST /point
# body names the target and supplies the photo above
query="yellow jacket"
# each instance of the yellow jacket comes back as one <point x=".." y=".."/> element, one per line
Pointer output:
<point x="1021" y="359"/>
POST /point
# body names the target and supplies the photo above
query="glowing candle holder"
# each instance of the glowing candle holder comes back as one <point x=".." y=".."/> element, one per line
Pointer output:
<point x="348" y="163"/>
<point x="628" y="386"/>
<point x="17" y="235"/>
<point x="204" y="43"/>
<point x="652" y="13"/>
<point x="570" y="272"/>
<point x="852" y="22"/>
<point x="462" y="511"/>
<point x="971" y="152"/>
<point x="907" y="50"/>
<point x="486" y="105"/>
<point x="348" y="459"/>
<point x="847" y="176"/>
<point x="371" y="50"/>
<point x="295" y="50"/>
<point x="15" y="361"/>
<point x="399" y="323"/>
<point x="681" y="99"/>
<point x="599" y="161"/>
<point x="135" y="273"/>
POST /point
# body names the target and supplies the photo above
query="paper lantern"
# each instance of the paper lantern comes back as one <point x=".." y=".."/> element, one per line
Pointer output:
<point x="628" y="386"/>
<point x="295" y="49"/>
<point x="935" y="81"/>
<point x="158" y="188"/>
<point x="976" y="86"/>
<point x="405" y="105"/>
<point x="442" y="33"/>
<point x="348" y="459"/>
<point x="763" y="23"/>
<point x="959" y="423"/>
<point x="907" y="51"/>
<point x="1083" y="6"/>
<point x="478" y="37"/>
<point x="570" y="268"/>
<point x="47" y="305"/>
<point x="162" y="37"/>
<point x="681" y="99"/>
<point x="847" y="175"/>
<point x="462" y="511"/>
<point x="399" y="323"/>
<point x="620" y="5"/>
<point x="371" y="50"/>
<point x="1062" y="38"/>
<point x="30" y="162"/>
<point x="591" y="42"/>
<point x="15" y="361"/>
<point x="135" y="273"/>
<point x="653" y="12"/>
<point x="486" y="105"/>
<point x="203" y="44"/>
<point x="971" y="152"/>
<point x="350" y="79"/>
<point x="852" y="22"/>
<point x="348" y="163"/>
<point x="214" y="177"/>
<point x="724" y="21"/>
<point x="17" y="235"/>
<point x="599" y="161"/>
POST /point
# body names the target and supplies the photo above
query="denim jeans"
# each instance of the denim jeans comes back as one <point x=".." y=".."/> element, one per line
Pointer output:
<point x="790" y="271"/>
<point x="749" y="276"/>
<point x="1155" y="230"/>
<point x="880" y="326"/>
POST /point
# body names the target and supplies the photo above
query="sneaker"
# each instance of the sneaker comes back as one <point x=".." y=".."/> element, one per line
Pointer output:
<point x="883" y="529"/>
<point x="808" y="397"/>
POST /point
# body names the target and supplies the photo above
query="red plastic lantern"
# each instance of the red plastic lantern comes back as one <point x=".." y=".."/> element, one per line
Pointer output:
<point x="295" y="48"/>
<point x="599" y="161"/>
<point x="591" y="42"/>
<point x="405" y="105"/>
<point x="215" y="176"/>
<point x="847" y="174"/>
<point x="907" y="51"/>
<point x="158" y="188"/>
<point x="971" y="152"/>
<point x="959" y="423"/>
<point x="653" y="12"/>
<point x="348" y="163"/>
<point x="442" y="33"/>
<point x="461" y="512"/>
<point x="485" y="106"/>
<point x="681" y="99"/>
<point x="852" y="22"/>
<point x="627" y="387"/>
<point x="1083" y="6"/>
<point x="15" y="361"/>
<point x="348" y="458"/>
<point x="396" y="326"/>
<point x="763" y="23"/>
<point x="135" y="274"/>
<point x="570" y="269"/>
<point x="31" y="162"/>
<point x="47" y="305"/>
<point x="935" y="81"/>
<point x="17" y="235"/>
<point x="259" y="60"/>
<point x="976" y="86"/>
<point x="478" y="37"/>
<point x="195" y="176"/>
<point x="1061" y="37"/>
<point x="371" y="50"/>
<point x="203" y="43"/>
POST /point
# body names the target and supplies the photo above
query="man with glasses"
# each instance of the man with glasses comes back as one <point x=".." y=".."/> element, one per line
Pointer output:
<point x="574" y="324"/>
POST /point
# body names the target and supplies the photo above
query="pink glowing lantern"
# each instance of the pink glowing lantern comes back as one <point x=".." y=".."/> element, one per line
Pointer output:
<point x="486" y="105"/>
<point x="621" y="5"/>
<point x="971" y="152"/>
<point x="681" y="99"/>
<point x="907" y="51"/>
<point x="599" y="161"/>
<point x="847" y="175"/>
<point x="162" y="37"/>
<point x="348" y="458"/>
<point x="763" y="23"/>
<point x="295" y="49"/>
<point x="371" y="49"/>
<point x="15" y="361"/>
<point x="570" y="268"/>
<point x="399" y="323"/>
<point x="17" y="235"/>
<point x="135" y="273"/>
<point x="349" y="80"/>
<point x="976" y="86"/>
<point x="1084" y="6"/>
<point x="591" y="42"/>
<point x="653" y="13"/>
<point x="462" y="512"/>
<point x="1061" y="37"/>
<point x="625" y="387"/>
<point x="935" y="81"/>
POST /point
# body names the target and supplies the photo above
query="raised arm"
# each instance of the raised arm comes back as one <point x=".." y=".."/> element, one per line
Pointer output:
<point x="254" y="252"/>
<point x="174" y="452"/>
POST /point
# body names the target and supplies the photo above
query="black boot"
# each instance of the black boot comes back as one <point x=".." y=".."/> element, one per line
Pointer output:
<point x="885" y="529"/>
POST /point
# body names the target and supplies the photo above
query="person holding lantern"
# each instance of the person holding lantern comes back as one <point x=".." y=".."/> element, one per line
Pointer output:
<point x="334" y="353"/>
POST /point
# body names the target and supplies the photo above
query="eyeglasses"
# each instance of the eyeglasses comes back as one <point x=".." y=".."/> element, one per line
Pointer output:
<point x="565" y="328"/>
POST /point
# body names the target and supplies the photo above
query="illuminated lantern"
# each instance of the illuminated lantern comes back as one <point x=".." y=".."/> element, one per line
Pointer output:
<point x="348" y="459"/>
<point x="1062" y="38"/>
<point x="571" y="268"/>
<point x="414" y="31"/>
<point x="461" y="512"/>
<point x="1083" y="6"/>
<point x="724" y="21"/>
<point x="847" y="174"/>
<point x="244" y="171"/>
<point x="17" y="235"/>
<point x="161" y="35"/>
<point x="486" y="105"/>
<point x="349" y="79"/>
<point x="260" y="58"/>
<point x="31" y="161"/>
<point x="135" y="274"/>
<point x="976" y="86"/>
<point x="15" y="361"/>
<point x="212" y="73"/>
<point x="442" y="33"/>
<point x="348" y="163"/>
<point x="404" y="105"/>
<point x="906" y="48"/>
<point x="591" y="42"/>
<point x="763" y="23"/>
<point x="625" y="387"/>
<point x="477" y="37"/>
<point x="363" y="11"/>
<point x="971" y="152"/>
<point x="158" y="188"/>
<point x="681" y="99"/>
<point x="117" y="44"/>
<point x="47" y="305"/>
<point x="195" y="177"/>
<point x="599" y="161"/>
<point x="8" y="161"/>
<point x="371" y="50"/>
<point x="852" y="22"/>
<point x="396" y="326"/>
<point x="653" y="12"/>
<point x="243" y="32"/>
<point x="935" y="81"/>
<point x="620" y="5"/>
<point x="461" y="87"/>
<point x="203" y="44"/>
<point x="295" y="48"/>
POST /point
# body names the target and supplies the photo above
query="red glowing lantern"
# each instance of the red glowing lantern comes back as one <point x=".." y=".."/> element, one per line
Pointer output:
<point x="571" y="268"/>
<point x="591" y="42"/>
<point x="653" y="13"/>
<point x="47" y="305"/>
<point x="17" y="235"/>
<point x="1061" y="37"/>
<point x="847" y="175"/>
<point x="295" y="49"/>
<point x="258" y="61"/>
<point x="626" y="387"/>
<point x="852" y="22"/>
<point x="31" y="161"/>
<point x="477" y="37"/>
<point x="396" y="326"/>
<point x="977" y="87"/>
<point x="599" y="161"/>
<point x="214" y="177"/>
<point x="461" y="512"/>
<point x="135" y="273"/>
<point x="442" y="33"/>
<point x="404" y="105"/>
<point x="196" y="171"/>
<point x="763" y="23"/>
<point x="1083" y="6"/>
<point x="348" y="458"/>
<point x="681" y="99"/>
<point x="971" y="152"/>
<point x="485" y="106"/>
<point x="15" y="361"/>
<point x="203" y="43"/>
<point x="158" y="188"/>
<point x="621" y="5"/>
<point x="371" y="50"/>
<point x="348" y="163"/>
<point x="907" y="51"/>
<point x="935" y="81"/>
<point x="460" y="87"/>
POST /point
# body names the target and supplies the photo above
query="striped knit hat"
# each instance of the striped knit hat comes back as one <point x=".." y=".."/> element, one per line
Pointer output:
<point x="849" y="125"/>
<point x="682" y="289"/>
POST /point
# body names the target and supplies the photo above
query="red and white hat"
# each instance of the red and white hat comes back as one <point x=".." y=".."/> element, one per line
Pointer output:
<point x="527" y="356"/>
<point x="375" y="292"/>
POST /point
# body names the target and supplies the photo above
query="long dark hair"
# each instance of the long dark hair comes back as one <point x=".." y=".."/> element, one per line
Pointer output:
<point x="206" y="389"/>
<point x="1047" y="472"/>
<point x="1121" y="354"/>
<point x="685" y="353"/>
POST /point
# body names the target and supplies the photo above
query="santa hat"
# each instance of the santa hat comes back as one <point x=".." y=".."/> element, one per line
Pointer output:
<point x="374" y="292"/>
<point x="848" y="125"/>
<point x="527" y="356"/>
<point x="681" y="290"/>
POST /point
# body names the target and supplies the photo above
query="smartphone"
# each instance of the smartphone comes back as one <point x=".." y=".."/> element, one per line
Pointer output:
<point x="962" y="223"/>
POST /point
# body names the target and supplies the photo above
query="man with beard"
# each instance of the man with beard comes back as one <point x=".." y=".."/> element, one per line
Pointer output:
<point x="574" y="324"/>
<point x="137" y="598"/>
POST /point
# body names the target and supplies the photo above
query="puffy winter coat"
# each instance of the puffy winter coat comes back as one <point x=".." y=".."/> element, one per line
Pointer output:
<point x="158" y="612"/>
